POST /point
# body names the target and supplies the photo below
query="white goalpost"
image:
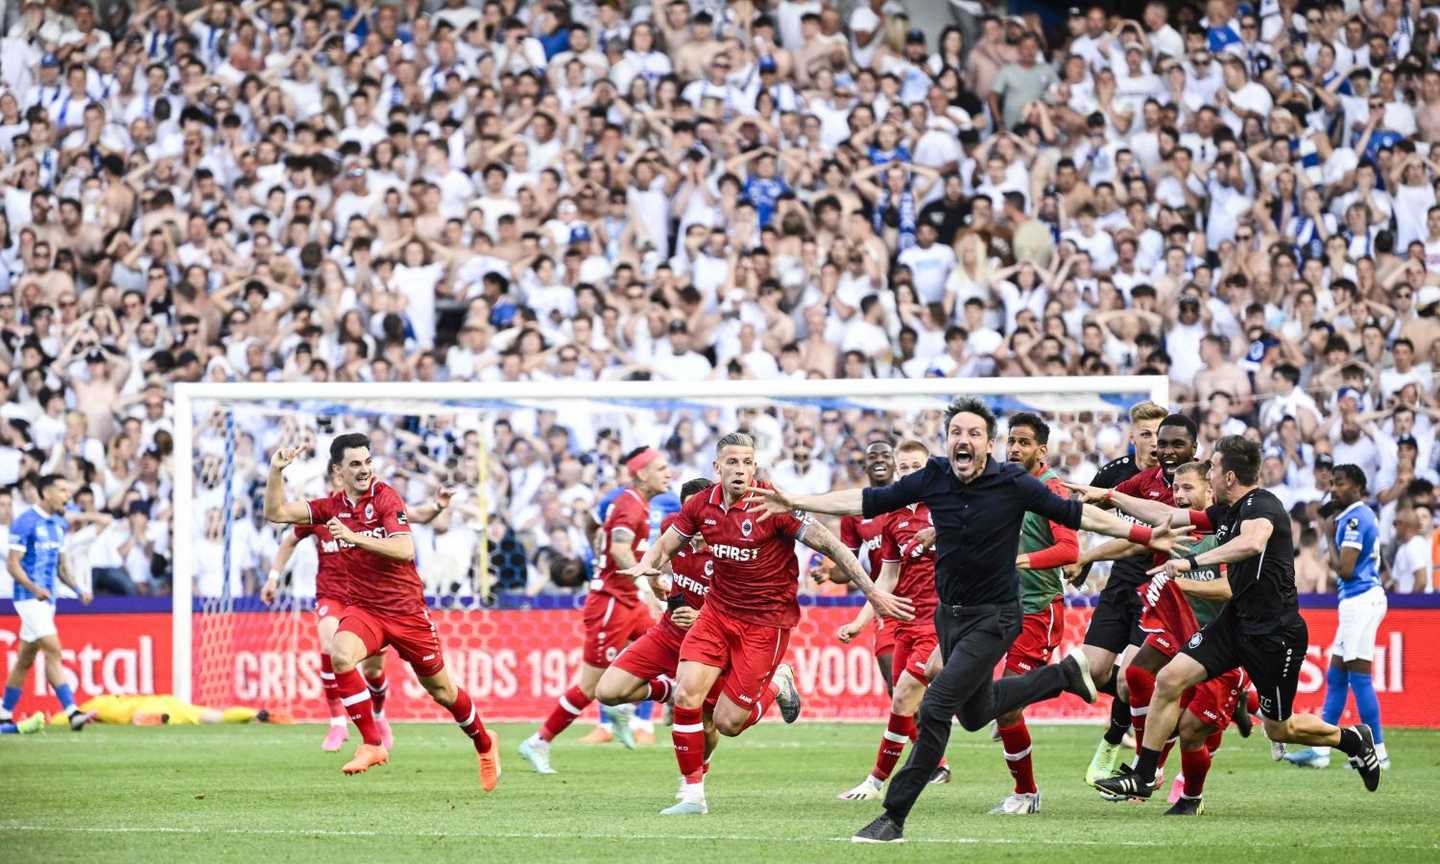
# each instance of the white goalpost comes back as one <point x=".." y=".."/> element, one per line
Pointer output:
<point x="219" y="425"/>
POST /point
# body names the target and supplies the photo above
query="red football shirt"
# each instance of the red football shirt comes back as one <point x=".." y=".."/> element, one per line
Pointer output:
<point x="917" y="572"/>
<point x="690" y="574"/>
<point x="756" y="572"/>
<point x="330" y="577"/>
<point x="1149" y="484"/>
<point x="377" y="583"/>
<point x="629" y="511"/>
<point x="862" y="536"/>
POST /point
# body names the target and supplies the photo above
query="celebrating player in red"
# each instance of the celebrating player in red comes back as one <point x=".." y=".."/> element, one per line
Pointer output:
<point x="614" y="613"/>
<point x="645" y="670"/>
<point x="862" y="537"/>
<point x="749" y="611"/>
<point x="331" y="598"/>
<point x="1045" y="547"/>
<point x="387" y="604"/>
<point x="908" y="569"/>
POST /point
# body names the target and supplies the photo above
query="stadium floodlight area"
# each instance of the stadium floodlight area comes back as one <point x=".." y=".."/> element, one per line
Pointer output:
<point x="230" y="648"/>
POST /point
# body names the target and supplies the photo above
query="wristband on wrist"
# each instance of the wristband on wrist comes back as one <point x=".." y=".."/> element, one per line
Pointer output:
<point x="1141" y="534"/>
<point x="274" y="576"/>
<point x="1190" y="559"/>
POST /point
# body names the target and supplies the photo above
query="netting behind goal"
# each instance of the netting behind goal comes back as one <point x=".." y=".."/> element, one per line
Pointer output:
<point x="504" y="568"/>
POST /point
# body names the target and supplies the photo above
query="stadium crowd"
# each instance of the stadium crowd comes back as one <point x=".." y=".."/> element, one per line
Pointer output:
<point x="1242" y="199"/>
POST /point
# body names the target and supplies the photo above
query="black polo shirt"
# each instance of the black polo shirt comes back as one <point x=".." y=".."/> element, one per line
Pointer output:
<point x="1262" y="587"/>
<point x="977" y="524"/>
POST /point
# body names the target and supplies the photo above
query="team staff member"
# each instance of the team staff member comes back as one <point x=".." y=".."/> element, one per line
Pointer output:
<point x="1259" y="629"/>
<point x="977" y="504"/>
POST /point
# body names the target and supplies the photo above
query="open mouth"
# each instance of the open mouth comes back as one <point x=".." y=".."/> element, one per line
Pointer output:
<point x="962" y="457"/>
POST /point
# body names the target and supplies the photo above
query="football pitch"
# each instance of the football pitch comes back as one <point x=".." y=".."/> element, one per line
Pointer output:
<point x="267" y="793"/>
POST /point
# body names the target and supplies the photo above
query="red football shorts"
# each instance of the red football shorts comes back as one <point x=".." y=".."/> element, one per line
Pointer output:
<point x="654" y="654"/>
<point x="1164" y="642"/>
<point x="914" y="641"/>
<point x="884" y="632"/>
<point x="1214" y="701"/>
<point x="413" y="636"/>
<point x="329" y="607"/>
<point x="750" y="651"/>
<point x="1038" y="639"/>
<point x="611" y="625"/>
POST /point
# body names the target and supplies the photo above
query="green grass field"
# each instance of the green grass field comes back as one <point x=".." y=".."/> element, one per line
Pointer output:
<point x="265" y="793"/>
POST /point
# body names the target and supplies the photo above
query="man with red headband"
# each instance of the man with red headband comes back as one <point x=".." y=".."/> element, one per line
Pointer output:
<point x="614" y="612"/>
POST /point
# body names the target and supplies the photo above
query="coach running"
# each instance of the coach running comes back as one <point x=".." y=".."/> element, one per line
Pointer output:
<point x="977" y="503"/>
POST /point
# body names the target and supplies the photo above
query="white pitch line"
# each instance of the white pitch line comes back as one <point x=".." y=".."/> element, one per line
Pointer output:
<point x="747" y="838"/>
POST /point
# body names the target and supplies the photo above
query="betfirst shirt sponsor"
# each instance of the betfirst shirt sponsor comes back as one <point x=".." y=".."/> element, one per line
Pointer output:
<point x="864" y="538"/>
<point x="385" y="585"/>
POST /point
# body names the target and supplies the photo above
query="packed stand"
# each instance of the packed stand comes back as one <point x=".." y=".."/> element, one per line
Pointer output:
<point x="516" y="191"/>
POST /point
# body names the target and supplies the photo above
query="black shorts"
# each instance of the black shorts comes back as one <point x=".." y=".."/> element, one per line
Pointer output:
<point x="1115" y="622"/>
<point x="1272" y="660"/>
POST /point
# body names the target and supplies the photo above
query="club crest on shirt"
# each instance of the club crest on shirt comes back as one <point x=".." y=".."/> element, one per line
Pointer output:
<point x="1353" y="523"/>
<point x="746" y="526"/>
<point x="369" y="512"/>
<point x="709" y="568"/>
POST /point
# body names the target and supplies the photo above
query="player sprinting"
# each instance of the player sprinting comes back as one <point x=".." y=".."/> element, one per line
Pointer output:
<point x="862" y="538"/>
<point x="614" y="613"/>
<point x="1172" y="611"/>
<point x="908" y="570"/>
<point x="1113" y="635"/>
<point x="36" y="562"/>
<point x="387" y="602"/>
<point x="1259" y="629"/>
<point x="749" y="610"/>
<point x="1045" y="547"/>
<point x="331" y="599"/>
<point x="645" y="670"/>
<point x="1354" y="556"/>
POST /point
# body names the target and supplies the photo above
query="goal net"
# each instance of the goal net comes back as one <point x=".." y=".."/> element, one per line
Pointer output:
<point x="529" y="466"/>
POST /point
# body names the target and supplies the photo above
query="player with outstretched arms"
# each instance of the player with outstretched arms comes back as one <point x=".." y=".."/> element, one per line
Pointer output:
<point x="1172" y="611"/>
<point x="863" y="538"/>
<point x="36" y="561"/>
<point x="331" y="599"/>
<point x="749" y="611"/>
<point x="645" y="670"/>
<point x="614" y="614"/>
<point x="1260" y="628"/>
<point x="1354" y="557"/>
<point x="908" y="570"/>
<point x="386" y="603"/>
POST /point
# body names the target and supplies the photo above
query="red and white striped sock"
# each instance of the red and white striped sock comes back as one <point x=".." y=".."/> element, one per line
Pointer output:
<point x="379" y="689"/>
<point x="468" y="716"/>
<point x="660" y="690"/>
<point x="332" y="694"/>
<point x="1016" y="741"/>
<point x="355" y="696"/>
<point x="687" y="733"/>
<point x="766" y="700"/>
<point x="566" y="711"/>
<point x="899" y="731"/>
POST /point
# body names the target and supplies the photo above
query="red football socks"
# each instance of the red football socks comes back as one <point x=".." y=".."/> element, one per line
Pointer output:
<point x="766" y="700"/>
<point x="660" y="690"/>
<point x="466" y="714"/>
<point x="565" y="712"/>
<point x="1195" y="764"/>
<point x="1142" y="687"/>
<point x="355" y="696"/>
<point x="687" y="732"/>
<point x="379" y="689"/>
<point x="1016" y="740"/>
<point x="899" y="731"/>
<point x="327" y="684"/>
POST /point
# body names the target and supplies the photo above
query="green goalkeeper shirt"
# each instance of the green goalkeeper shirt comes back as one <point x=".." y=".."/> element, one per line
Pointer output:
<point x="1039" y="588"/>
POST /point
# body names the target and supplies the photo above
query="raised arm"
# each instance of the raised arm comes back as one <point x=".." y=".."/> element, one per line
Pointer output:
<point x="424" y="514"/>
<point x="1153" y="512"/>
<point x="277" y="509"/>
<point x="282" y="557"/>
<point x="887" y="605"/>
<point x="657" y="556"/>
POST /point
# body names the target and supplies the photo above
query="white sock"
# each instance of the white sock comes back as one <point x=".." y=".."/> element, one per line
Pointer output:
<point x="536" y="741"/>
<point x="693" y="791"/>
<point x="643" y="724"/>
<point x="1380" y="751"/>
<point x="1321" y="751"/>
<point x="338" y="721"/>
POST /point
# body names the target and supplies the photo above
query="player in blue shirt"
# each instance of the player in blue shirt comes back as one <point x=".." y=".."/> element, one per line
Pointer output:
<point x="37" y="539"/>
<point x="1355" y="557"/>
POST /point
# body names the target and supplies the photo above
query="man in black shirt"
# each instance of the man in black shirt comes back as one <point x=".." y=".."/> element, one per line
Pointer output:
<point x="976" y="504"/>
<point x="1114" y="635"/>
<point x="1259" y="628"/>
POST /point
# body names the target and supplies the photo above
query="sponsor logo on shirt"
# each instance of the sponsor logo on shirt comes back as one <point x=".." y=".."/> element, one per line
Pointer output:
<point x="724" y="551"/>
<point x="694" y="586"/>
<point x="711" y="522"/>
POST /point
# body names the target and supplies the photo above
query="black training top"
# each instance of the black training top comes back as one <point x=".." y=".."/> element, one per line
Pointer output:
<point x="1263" y="586"/>
<point x="977" y="524"/>
<point x="1125" y="571"/>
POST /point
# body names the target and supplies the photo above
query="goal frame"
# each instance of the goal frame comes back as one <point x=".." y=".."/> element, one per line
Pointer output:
<point x="1155" y="387"/>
